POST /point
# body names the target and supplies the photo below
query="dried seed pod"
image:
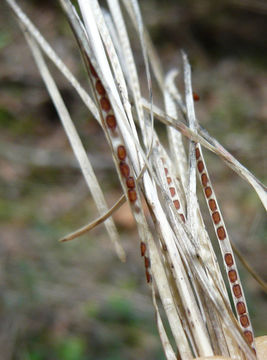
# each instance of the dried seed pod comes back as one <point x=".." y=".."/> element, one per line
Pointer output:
<point x="121" y="152"/>
<point x="244" y="321"/>
<point x="147" y="262"/>
<point x="130" y="182"/>
<point x="212" y="204"/>
<point x="232" y="275"/>
<point x="208" y="192"/>
<point x="200" y="166"/>
<point x="132" y="195"/>
<point x="124" y="169"/>
<point x="148" y="277"/>
<point x="196" y="96"/>
<point x="143" y="248"/>
<point x="111" y="122"/>
<point x="221" y="233"/>
<point x="100" y="88"/>
<point x="237" y="291"/>
<point x="92" y="69"/>
<point x="216" y="217"/>
<point x="241" y="308"/>
<point x="204" y="179"/>
<point x="176" y="203"/>
<point x="105" y="104"/>
<point x="228" y="259"/>
<point x="172" y="191"/>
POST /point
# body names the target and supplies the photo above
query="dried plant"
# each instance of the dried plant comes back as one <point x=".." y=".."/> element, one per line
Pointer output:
<point x="180" y="264"/>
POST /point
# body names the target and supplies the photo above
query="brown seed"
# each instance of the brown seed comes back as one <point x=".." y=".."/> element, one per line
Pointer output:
<point x="164" y="247"/>
<point x="100" y="88"/>
<point x="148" y="277"/>
<point x="208" y="191"/>
<point x="249" y="336"/>
<point x="111" y="121"/>
<point x="121" y="151"/>
<point x="216" y="217"/>
<point x="197" y="153"/>
<point x="241" y="308"/>
<point x="212" y="205"/>
<point x="228" y="259"/>
<point x="221" y="233"/>
<point x="195" y="96"/>
<point x="204" y="179"/>
<point x="147" y="262"/>
<point x="124" y="168"/>
<point x="169" y="180"/>
<point x="244" y="321"/>
<point x="172" y="191"/>
<point x="237" y="291"/>
<point x="130" y="182"/>
<point x="92" y="69"/>
<point x="182" y="217"/>
<point x="176" y="204"/>
<point x="166" y="171"/>
<point x="105" y="104"/>
<point x="200" y="166"/>
<point x="143" y="248"/>
<point x="232" y="276"/>
<point x="132" y="195"/>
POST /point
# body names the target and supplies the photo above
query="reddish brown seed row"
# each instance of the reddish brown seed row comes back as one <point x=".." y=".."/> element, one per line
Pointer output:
<point x="196" y="96"/>
<point x="216" y="218"/>
<point x="173" y="194"/>
<point x="112" y="124"/>
<point x="146" y="261"/>
<point x="240" y="305"/>
<point x="125" y="172"/>
<point x="228" y="258"/>
<point x="121" y="153"/>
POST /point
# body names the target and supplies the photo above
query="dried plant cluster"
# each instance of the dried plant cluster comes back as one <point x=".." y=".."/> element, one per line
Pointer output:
<point x="181" y="266"/>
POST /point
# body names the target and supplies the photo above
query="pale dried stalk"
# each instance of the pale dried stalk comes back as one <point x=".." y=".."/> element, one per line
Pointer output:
<point x="178" y="256"/>
<point x="76" y="145"/>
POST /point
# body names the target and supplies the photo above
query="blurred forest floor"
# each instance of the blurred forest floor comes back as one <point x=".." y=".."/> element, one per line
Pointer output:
<point x="76" y="301"/>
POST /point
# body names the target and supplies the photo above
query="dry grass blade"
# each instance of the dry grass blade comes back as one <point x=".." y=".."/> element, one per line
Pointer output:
<point x="153" y="57"/>
<point x="191" y="194"/>
<point x="76" y="144"/>
<point x="180" y="263"/>
<point x="46" y="48"/>
<point x="159" y="275"/>
<point x="86" y="228"/>
<point x="168" y="350"/>
<point x="130" y="68"/>
<point x="177" y="150"/>
<point x="209" y="286"/>
<point x="214" y="146"/>
<point x="220" y="229"/>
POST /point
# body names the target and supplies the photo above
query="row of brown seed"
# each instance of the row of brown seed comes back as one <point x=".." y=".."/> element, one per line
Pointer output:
<point x="125" y="171"/>
<point x="173" y="192"/>
<point x="228" y="256"/>
<point x="146" y="261"/>
<point x="111" y="123"/>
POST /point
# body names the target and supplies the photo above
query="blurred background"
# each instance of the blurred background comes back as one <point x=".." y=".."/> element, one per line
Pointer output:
<point x="77" y="301"/>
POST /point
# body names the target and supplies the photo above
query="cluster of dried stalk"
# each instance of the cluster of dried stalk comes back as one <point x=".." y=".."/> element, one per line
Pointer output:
<point x="180" y="263"/>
